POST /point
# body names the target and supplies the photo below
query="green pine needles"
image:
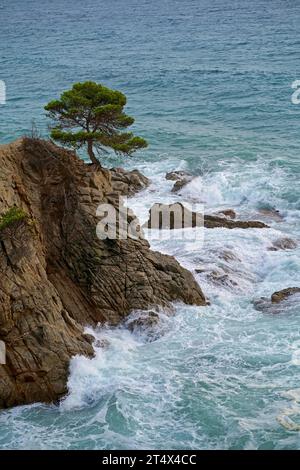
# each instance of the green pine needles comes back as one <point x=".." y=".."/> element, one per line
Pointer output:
<point x="92" y="115"/>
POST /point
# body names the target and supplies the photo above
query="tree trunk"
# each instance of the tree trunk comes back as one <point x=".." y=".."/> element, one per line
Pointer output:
<point x="92" y="156"/>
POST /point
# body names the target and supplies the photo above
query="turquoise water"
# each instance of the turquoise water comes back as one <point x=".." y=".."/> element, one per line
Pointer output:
<point x="210" y="86"/>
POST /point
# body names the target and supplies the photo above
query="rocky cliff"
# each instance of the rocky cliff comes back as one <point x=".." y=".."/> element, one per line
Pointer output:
<point x="56" y="276"/>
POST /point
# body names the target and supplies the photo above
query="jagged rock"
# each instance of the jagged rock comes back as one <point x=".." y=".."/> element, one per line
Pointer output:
<point x="128" y="183"/>
<point x="177" y="216"/>
<point x="181" y="183"/>
<point x="56" y="276"/>
<point x="178" y="175"/>
<point x="274" y="305"/>
<point x="284" y="294"/>
<point x="181" y="178"/>
<point x="147" y="320"/>
<point x="102" y="343"/>
<point x="283" y="244"/>
<point x="219" y="277"/>
<point x="148" y="324"/>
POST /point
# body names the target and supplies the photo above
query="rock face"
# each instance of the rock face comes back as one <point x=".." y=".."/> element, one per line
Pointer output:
<point x="177" y="216"/>
<point x="57" y="276"/>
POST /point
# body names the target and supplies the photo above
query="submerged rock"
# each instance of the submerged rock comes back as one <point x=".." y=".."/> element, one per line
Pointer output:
<point x="177" y="216"/>
<point x="148" y="319"/>
<point x="58" y="277"/>
<point x="228" y="255"/>
<point x="283" y="244"/>
<point x="272" y="214"/>
<point x="150" y="325"/>
<point x="274" y="305"/>
<point x="219" y="277"/>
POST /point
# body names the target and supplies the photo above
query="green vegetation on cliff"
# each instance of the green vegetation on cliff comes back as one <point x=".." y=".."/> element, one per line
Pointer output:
<point x="12" y="215"/>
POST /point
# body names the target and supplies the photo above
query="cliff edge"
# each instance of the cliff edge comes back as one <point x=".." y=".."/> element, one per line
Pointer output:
<point x="56" y="276"/>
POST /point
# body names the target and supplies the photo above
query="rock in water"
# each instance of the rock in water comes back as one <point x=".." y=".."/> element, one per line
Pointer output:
<point x="283" y="244"/>
<point x="178" y="175"/>
<point x="273" y="305"/>
<point x="181" y="178"/>
<point x="212" y="221"/>
<point x="128" y="183"/>
<point x="177" y="216"/>
<point x="284" y="294"/>
<point x="57" y="276"/>
<point x="230" y="213"/>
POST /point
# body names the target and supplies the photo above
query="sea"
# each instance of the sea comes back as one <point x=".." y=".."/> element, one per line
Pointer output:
<point x="210" y="84"/>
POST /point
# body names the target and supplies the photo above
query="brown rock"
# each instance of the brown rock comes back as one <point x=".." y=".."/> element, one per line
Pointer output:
<point x="56" y="276"/>
<point x="276" y="305"/>
<point x="181" y="178"/>
<point x="178" y="175"/>
<point x="284" y="294"/>
<point x="128" y="183"/>
<point x="181" y="183"/>
<point x="212" y="221"/>
<point x="230" y="213"/>
<point x="177" y="216"/>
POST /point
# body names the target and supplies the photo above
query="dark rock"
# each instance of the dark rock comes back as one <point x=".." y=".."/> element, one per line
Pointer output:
<point x="102" y="343"/>
<point x="146" y="320"/>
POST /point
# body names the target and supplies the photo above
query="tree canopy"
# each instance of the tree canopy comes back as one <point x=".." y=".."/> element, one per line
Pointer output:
<point x="92" y="115"/>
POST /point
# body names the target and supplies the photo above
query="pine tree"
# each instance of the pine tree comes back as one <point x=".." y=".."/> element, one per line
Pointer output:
<point x="92" y="115"/>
